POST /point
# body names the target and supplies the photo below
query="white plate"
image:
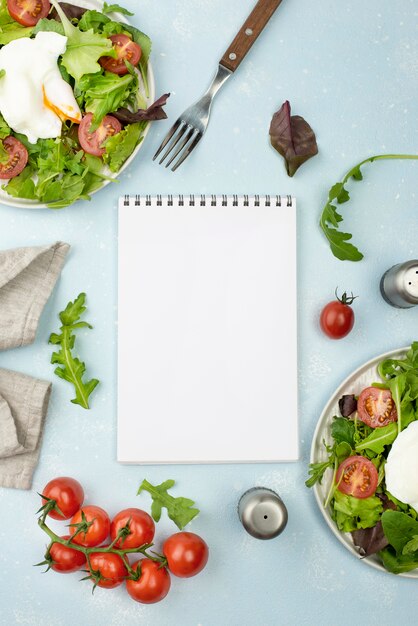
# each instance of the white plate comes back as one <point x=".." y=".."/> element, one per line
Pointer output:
<point x="22" y="203"/>
<point x="354" y="383"/>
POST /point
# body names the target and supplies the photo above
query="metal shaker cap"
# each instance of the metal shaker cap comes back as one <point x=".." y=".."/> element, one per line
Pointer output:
<point x="262" y="513"/>
<point x="399" y="285"/>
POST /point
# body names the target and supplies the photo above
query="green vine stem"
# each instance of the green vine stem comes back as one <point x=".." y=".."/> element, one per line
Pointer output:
<point x="108" y="549"/>
<point x="330" y="219"/>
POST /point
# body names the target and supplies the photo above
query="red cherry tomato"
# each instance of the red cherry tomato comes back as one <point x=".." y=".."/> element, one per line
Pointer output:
<point x="186" y="554"/>
<point x="141" y="527"/>
<point x="92" y="142"/>
<point x="66" y="559"/>
<point x="125" y="49"/>
<point x="337" y="317"/>
<point x="68" y="495"/>
<point x="17" y="160"/>
<point x="110" y="567"/>
<point x="98" y="529"/>
<point x="153" y="583"/>
<point x="376" y="407"/>
<point x="357" y="476"/>
<point x="28" y="12"/>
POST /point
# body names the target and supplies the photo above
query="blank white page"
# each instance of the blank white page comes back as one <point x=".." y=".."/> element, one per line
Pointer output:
<point x="207" y="357"/>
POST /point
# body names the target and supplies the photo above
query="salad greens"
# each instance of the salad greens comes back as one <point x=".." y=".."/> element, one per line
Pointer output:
<point x="70" y="368"/>
<point x="180" y="510"/>
<point x="379" y="523"/>
<point x="59" y="171"/>
<point x="330" y="220"/>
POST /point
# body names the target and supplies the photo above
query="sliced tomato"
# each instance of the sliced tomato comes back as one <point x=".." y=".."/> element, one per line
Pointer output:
<point x="357" y="476"/>
<point x="125" y="49"/>
<point x="28" y="12"/>
<point x="17" y="160"/>
<point x="376" y="407"/>
<point x="92" y="142"/>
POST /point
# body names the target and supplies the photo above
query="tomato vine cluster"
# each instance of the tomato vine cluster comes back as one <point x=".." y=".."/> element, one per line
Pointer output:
<point x="102" y="545"/>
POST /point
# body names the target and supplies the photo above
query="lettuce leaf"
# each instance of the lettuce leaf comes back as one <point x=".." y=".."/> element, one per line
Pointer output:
<point x="351" y="513"/>
<point x="105" y="93"/>
<point x="83" y="48"/>
<point x="115" y="8"/>
<point x="120" y="146"/>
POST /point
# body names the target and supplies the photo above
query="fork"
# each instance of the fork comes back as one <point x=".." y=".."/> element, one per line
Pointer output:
<point x="189" y="128"/>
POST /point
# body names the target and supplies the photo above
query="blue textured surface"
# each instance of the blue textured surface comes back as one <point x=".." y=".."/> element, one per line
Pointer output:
<point x="351" y="69"/>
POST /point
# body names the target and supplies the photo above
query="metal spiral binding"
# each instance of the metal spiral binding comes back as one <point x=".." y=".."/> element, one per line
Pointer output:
<point x="212" y="200"/>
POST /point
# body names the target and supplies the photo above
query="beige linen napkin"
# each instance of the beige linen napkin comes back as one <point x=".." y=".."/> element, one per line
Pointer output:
<point x="27" y="278"/>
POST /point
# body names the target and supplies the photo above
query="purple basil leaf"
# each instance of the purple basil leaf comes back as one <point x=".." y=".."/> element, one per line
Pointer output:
<point x="71" y="11"/>
<point x="370" y="540"/>
<point x="154" y="112"/>
<point x="347" y="405"/>
<point x="293" y="138"/>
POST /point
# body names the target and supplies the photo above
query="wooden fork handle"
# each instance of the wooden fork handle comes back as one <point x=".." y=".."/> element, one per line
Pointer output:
<point x="248" y="33"/>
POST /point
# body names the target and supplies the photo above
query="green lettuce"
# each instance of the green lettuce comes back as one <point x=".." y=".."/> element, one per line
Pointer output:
<point x="120" y="146"/>
<point x="104" y="93"/>
<point x="83" y="48"/>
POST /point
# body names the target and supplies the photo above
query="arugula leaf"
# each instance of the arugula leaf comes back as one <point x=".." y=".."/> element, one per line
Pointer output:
<point x="120" y="146"/>
<point x="352" y="513"/>
<point x="293" y="138"/>
<point x="115" y="8"/>
<point x="83" y="48"/>
<point x="180" y="510"/>
<point x="71" y="368"/>
<point x="378" y="439"/>
<point x="330" y="218"/>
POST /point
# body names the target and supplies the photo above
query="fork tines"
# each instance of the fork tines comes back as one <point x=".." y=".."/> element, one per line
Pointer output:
<point x="182" y="139"/>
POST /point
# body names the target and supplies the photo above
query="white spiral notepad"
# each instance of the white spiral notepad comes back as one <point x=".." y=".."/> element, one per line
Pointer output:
<point x="207" y="353"/>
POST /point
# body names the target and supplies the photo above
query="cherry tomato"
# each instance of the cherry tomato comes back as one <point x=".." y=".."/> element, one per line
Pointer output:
<point x="18" y="158"/>
<point x="186" y="554"/>
<point x="92" y="142"/>
<point x="357" y="476"/>
<point x="68" y="495"/>
<point x="153" y="584"/>
<point x="141" y="527"/>
<point x="97" y="531"/>
<point x="337" y="317"/>
<point x="28" y="12"/>
<point x="125" y="49"/>
<point x="66" y="559"/>
<point x="376" y="407"/>
<point x="111" y="568"/>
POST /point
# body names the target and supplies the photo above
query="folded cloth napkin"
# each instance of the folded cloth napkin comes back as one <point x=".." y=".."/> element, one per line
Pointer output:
<point x="23" y="406"/>
<point x="27" y="277"/>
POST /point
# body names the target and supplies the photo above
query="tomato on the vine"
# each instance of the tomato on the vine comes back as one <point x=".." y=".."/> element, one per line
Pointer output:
<point x="95" y="529"/>
<point x="186" y="554"/>
<point x="153" y="583"/>
<point x="141" y="528"/>
<point x="337" y="317"/>
<point x="65" y="559"/>
<point x="108" y="568"/>
<point x="357" y="476"/>
<point x="68" y="495"/>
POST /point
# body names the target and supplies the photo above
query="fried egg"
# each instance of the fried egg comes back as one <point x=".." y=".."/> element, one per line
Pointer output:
<point x="34" y="98"/>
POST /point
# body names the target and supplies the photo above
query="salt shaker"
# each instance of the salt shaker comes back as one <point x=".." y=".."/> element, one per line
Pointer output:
<point x="262" y="513"/>
<point x="399" y="285"/>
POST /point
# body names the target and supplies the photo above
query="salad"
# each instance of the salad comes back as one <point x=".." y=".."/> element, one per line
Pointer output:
<point x="371" y="459"/>
<point x="73" y="98"/>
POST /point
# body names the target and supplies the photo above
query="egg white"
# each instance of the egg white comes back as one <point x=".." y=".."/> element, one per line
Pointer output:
<point x="401" y="469"/>
<point x="34" y="98"/>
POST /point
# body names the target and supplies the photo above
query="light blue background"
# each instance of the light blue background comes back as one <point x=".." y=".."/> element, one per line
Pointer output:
<point x="351" y="69"/>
